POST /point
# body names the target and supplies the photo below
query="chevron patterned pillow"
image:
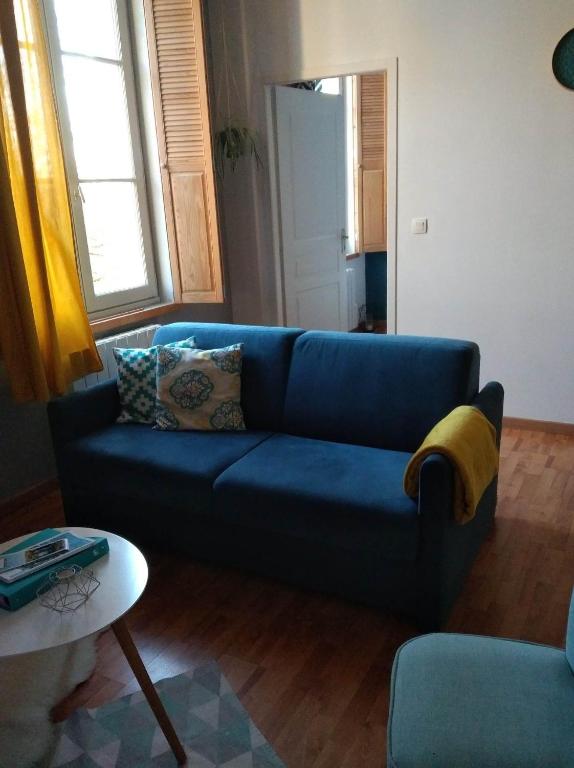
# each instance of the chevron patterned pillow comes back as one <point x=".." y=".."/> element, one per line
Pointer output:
<point x="137" y="381"/>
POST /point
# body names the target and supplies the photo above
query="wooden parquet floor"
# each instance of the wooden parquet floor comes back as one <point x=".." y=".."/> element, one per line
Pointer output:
<point x="313" y="671"/>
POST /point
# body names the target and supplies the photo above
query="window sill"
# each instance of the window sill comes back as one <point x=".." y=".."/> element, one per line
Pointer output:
<point x="133" y="317"/>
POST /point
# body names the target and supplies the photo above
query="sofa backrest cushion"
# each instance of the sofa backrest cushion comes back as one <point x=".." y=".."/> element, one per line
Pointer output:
<point x="266" y="360"/>
<point x="376" y="390"/>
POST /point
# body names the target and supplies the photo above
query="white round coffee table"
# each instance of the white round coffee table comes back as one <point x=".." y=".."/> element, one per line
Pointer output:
<point x="123" y="576"/>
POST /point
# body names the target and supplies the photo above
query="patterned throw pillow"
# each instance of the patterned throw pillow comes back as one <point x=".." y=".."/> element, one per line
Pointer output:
<point x="200" y="389"/>
<point x="137" y="380"/>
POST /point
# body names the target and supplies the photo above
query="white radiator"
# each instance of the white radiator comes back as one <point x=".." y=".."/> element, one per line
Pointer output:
<point x="139" y="337"/>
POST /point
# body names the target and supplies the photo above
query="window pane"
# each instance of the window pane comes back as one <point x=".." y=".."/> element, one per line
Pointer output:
<point x="98" y="119"/>
<point x="88" y="26"/>
<point x="331" y="85"/>
<point x="114" y="236"/>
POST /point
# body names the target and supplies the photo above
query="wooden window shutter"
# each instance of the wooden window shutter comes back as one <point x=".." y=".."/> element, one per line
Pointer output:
<point x="179" y="85"/>
<point x="372" y="161"/>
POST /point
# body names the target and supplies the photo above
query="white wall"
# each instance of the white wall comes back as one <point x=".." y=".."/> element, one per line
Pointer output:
<point x="485" y="150"/>
<point x="26" y="456"/>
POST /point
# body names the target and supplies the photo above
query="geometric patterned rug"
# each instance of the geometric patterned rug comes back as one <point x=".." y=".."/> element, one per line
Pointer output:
<point x="212" y="724"/>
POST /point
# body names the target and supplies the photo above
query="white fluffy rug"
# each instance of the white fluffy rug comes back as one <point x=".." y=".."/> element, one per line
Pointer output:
<point x="30" y="686"/>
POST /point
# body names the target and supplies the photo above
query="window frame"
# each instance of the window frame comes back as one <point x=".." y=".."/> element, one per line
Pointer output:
<point x="99" y="307"/>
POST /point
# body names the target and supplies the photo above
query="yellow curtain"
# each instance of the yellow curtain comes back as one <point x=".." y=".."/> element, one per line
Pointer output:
<point x="45" y="336"/>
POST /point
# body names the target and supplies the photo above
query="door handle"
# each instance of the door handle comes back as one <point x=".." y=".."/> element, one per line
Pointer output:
<point x="344" y="238"/>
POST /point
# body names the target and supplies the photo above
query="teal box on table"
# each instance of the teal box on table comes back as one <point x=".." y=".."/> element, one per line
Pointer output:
<point x="23" y="591"/>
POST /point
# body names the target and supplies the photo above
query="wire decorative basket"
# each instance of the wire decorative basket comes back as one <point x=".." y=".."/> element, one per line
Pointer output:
<point x="67" y="588"/>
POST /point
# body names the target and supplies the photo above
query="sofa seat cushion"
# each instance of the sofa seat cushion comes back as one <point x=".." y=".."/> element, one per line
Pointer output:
<point x="348" y="495"/>
<point x="461" y="701"/>
<point x="171" y="468"/>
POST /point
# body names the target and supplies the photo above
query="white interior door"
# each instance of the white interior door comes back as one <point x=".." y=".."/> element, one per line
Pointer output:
<point x="311" y="181"/>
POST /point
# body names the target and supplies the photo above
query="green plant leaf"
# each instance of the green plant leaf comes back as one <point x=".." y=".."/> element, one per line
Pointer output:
<point x="233" y="142"/>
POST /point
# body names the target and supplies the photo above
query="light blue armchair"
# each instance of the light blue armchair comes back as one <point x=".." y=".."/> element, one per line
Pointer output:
<point x="463" y="701"/>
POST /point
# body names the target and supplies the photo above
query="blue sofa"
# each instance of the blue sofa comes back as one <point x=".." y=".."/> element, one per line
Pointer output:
<point x="312" y="491"/>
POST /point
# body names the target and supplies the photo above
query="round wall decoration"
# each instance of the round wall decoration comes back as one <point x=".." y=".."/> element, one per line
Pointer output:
<point x="563" y="60"/>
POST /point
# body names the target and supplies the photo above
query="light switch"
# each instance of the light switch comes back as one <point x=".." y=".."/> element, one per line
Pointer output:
<point x="419" y="226"/>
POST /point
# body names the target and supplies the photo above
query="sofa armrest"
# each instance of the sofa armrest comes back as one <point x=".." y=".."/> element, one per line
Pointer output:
<point x="436" y="489"/>
<point x="80" y="413"/>
<point x="436" y="472"/>
<point x="447" y="549"/>
<point x="490" y="400"/>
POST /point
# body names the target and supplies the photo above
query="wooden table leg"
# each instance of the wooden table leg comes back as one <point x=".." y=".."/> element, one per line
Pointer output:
<point x="134" y="659"/>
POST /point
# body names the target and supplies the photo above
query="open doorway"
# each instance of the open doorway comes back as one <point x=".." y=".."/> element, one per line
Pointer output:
<point x="333" y="183"/>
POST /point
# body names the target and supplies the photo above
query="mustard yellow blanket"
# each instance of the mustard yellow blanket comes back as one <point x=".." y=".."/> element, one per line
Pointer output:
<point x="468" y="439"/>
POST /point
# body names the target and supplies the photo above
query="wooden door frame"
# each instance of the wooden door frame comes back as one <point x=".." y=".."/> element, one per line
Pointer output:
<point x="390" y="65"/>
